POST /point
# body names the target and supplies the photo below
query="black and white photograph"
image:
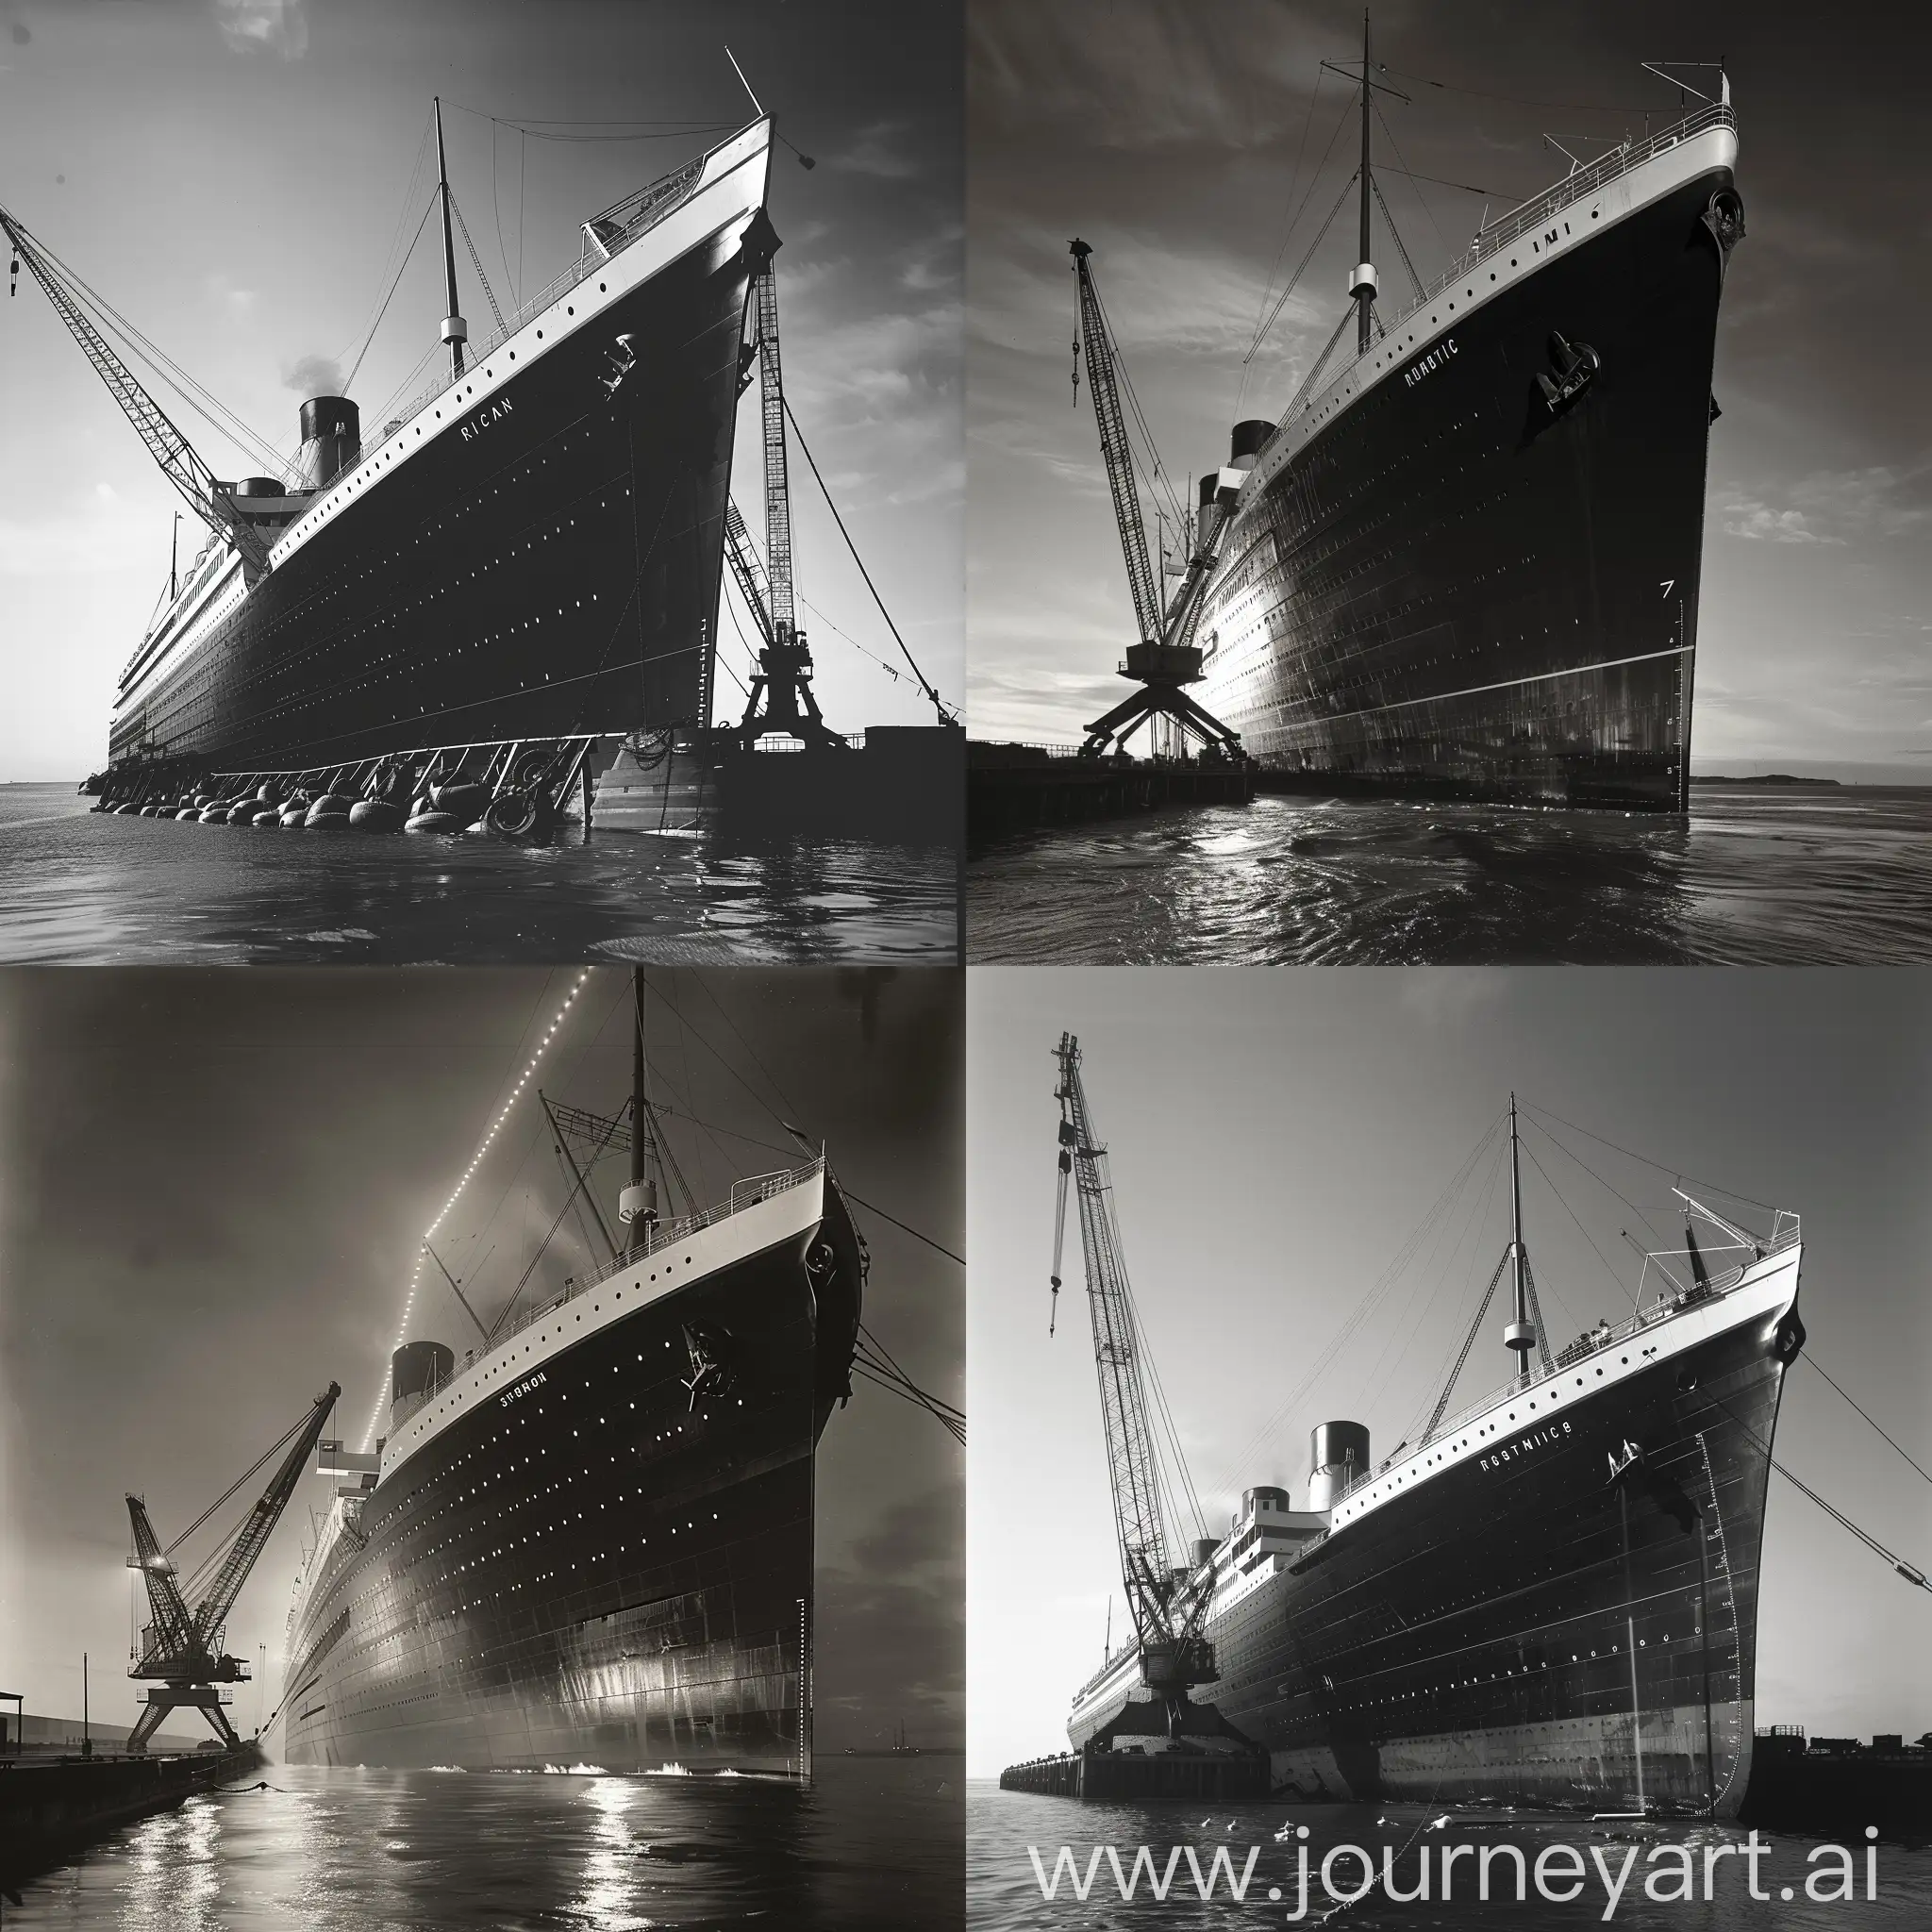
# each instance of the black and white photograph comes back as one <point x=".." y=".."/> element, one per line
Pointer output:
<point x="533" y="429"/>
<point x="482" y="1447"/>
<point x="1433" y="500"/>
<point x="726" y="729"/>
<point x="1422" y="1408"/>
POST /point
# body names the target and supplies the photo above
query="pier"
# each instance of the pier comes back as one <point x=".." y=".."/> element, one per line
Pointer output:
<point x="1836" y="1787"/>
<point x="1142" y="1777"/>
<point x="53" y="1806"/>
<point x="1017" y="786"/>
<point x="901" y="783"/>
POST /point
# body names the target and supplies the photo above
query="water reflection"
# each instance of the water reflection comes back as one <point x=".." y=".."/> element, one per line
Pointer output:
<point x="606" y="1899"/>
<point x="1748" y="878"/>
<point x="75" y="886"/>
<point x="872" y="1845"/>
<point x="177" y="1881"/>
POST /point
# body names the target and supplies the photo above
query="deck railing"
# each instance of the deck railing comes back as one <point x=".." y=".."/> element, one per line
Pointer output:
<point x="1518" y="220"/>
<point x="1573" y="187"/>
<point x="671" y="193"/>
<point x="1785" y="1235"/>
<point x="745" y="1194"/>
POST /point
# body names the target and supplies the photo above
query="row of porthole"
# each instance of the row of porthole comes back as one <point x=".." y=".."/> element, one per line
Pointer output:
<point x="359" y="481"/>
<point x="1488" y="1429"/>
<point x="232" y="598"/>
<point x="502" y="1367"/>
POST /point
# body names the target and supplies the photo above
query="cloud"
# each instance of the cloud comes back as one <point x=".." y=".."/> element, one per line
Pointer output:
<point x="873" y="151"/>
<point x="889" y="1621"/>
<point x="1835" y="506"/>
<point x="1448" y="995"/>
<point x="279" y="25"/>
<point x="1759" y="520"/>
<point x="314" y="376"/>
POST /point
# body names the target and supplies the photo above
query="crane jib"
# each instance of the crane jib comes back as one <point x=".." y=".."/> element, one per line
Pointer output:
<point x="1168" y="1604"/>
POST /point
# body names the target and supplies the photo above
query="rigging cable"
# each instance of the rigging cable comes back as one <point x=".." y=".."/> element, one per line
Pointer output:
<point x="938" y="702"/>
<point x="489" y="293"/>
<point x="1656" y="1166"/>
<point x="1301" y="268"/>
<point x="1428" y="1267"/>
<point x="408" y="254"/>
<point x="1910" y="1572"/>
<point x="1396" y="146"/>
<point x="1816" y="1364"/>
<point x="1157" y="471"/>
<point x="1471" y="1226"/>
<point x="1288" y="232"/>
<point x="1395" y="236"/>
<point x="1514" y="100"/>
<point x="1579" y="1226"/>
<point x="1369" y="1303"/>
<point x="1592" y="1171"/>
<point x="388" y="254"/>
<point x="1308" y="194"/>
<point x="282" y="1440"/>
<point x="203" y="403"/>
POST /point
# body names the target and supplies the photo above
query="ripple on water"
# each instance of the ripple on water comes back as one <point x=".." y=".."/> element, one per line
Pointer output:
<point x="870" y="1846"/>
<point x="78" y="887"/>
<point x="1747" y="878"/>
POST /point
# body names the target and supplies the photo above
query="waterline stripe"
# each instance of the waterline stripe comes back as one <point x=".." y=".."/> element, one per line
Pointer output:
<point x="1507" y="684"/>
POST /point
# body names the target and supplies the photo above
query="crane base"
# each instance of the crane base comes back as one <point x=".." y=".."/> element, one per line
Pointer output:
<point x="202" y="1697"/>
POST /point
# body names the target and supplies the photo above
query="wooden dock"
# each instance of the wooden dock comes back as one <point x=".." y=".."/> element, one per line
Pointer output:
<point x="52" y="1807"/>
<point x="1017" y="787"/>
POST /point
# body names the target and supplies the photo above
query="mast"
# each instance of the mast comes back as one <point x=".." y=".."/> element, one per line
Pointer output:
<point x="637" y="1204"/>
<point x="174" y="558"/>
<point x="456" y="331"/>
<point x="1361" y="285"/>
<point x="1521" y="1333"/>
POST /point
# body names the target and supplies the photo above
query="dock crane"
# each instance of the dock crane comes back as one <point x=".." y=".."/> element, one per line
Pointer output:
<point x="211" y="501"/>
<point x="1168" y="1601"/>
<point x="1166" y="659"/>
<point x="180" y="1649"/>
<point x="781" y="698"/>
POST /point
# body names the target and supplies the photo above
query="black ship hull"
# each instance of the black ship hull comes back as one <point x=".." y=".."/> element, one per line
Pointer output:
<point x="1550" y="1601"/>
<point x="593" y="1562"/>
<point x="531" y="556"/>
<point x="1457" y="587"/>
<point x="1473" y="1643"/>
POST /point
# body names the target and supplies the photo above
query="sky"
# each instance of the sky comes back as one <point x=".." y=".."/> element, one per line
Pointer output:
<point x="1180" y="141"/>
<point x="1274" y="1138"/>
<point x="228" y="175"/>
<point x="214" y="1187"/>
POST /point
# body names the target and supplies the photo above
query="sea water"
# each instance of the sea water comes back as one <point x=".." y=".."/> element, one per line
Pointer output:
<point x="1779" y="876"/>
<point x="81" y="887"/>
<point x="873" y="1844"/>
<point x="1006" y="1892"/>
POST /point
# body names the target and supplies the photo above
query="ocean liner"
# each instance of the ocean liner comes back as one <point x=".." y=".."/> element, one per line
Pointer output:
<point x="531" y="551"/>
<point x="591" y="1540"/>
<point x="1465" y="562"/>
<point x="1548" y="1598"/>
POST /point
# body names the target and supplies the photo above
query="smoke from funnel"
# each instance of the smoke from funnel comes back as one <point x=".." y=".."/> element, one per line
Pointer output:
<point x="315" y="375"/>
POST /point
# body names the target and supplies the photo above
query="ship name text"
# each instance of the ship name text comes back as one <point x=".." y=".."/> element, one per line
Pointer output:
<point x="490" y="413"/>
<point x="1536" y="1438"/>
<point x="528" y="1386"/>
<point x="1433" y="360"/>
